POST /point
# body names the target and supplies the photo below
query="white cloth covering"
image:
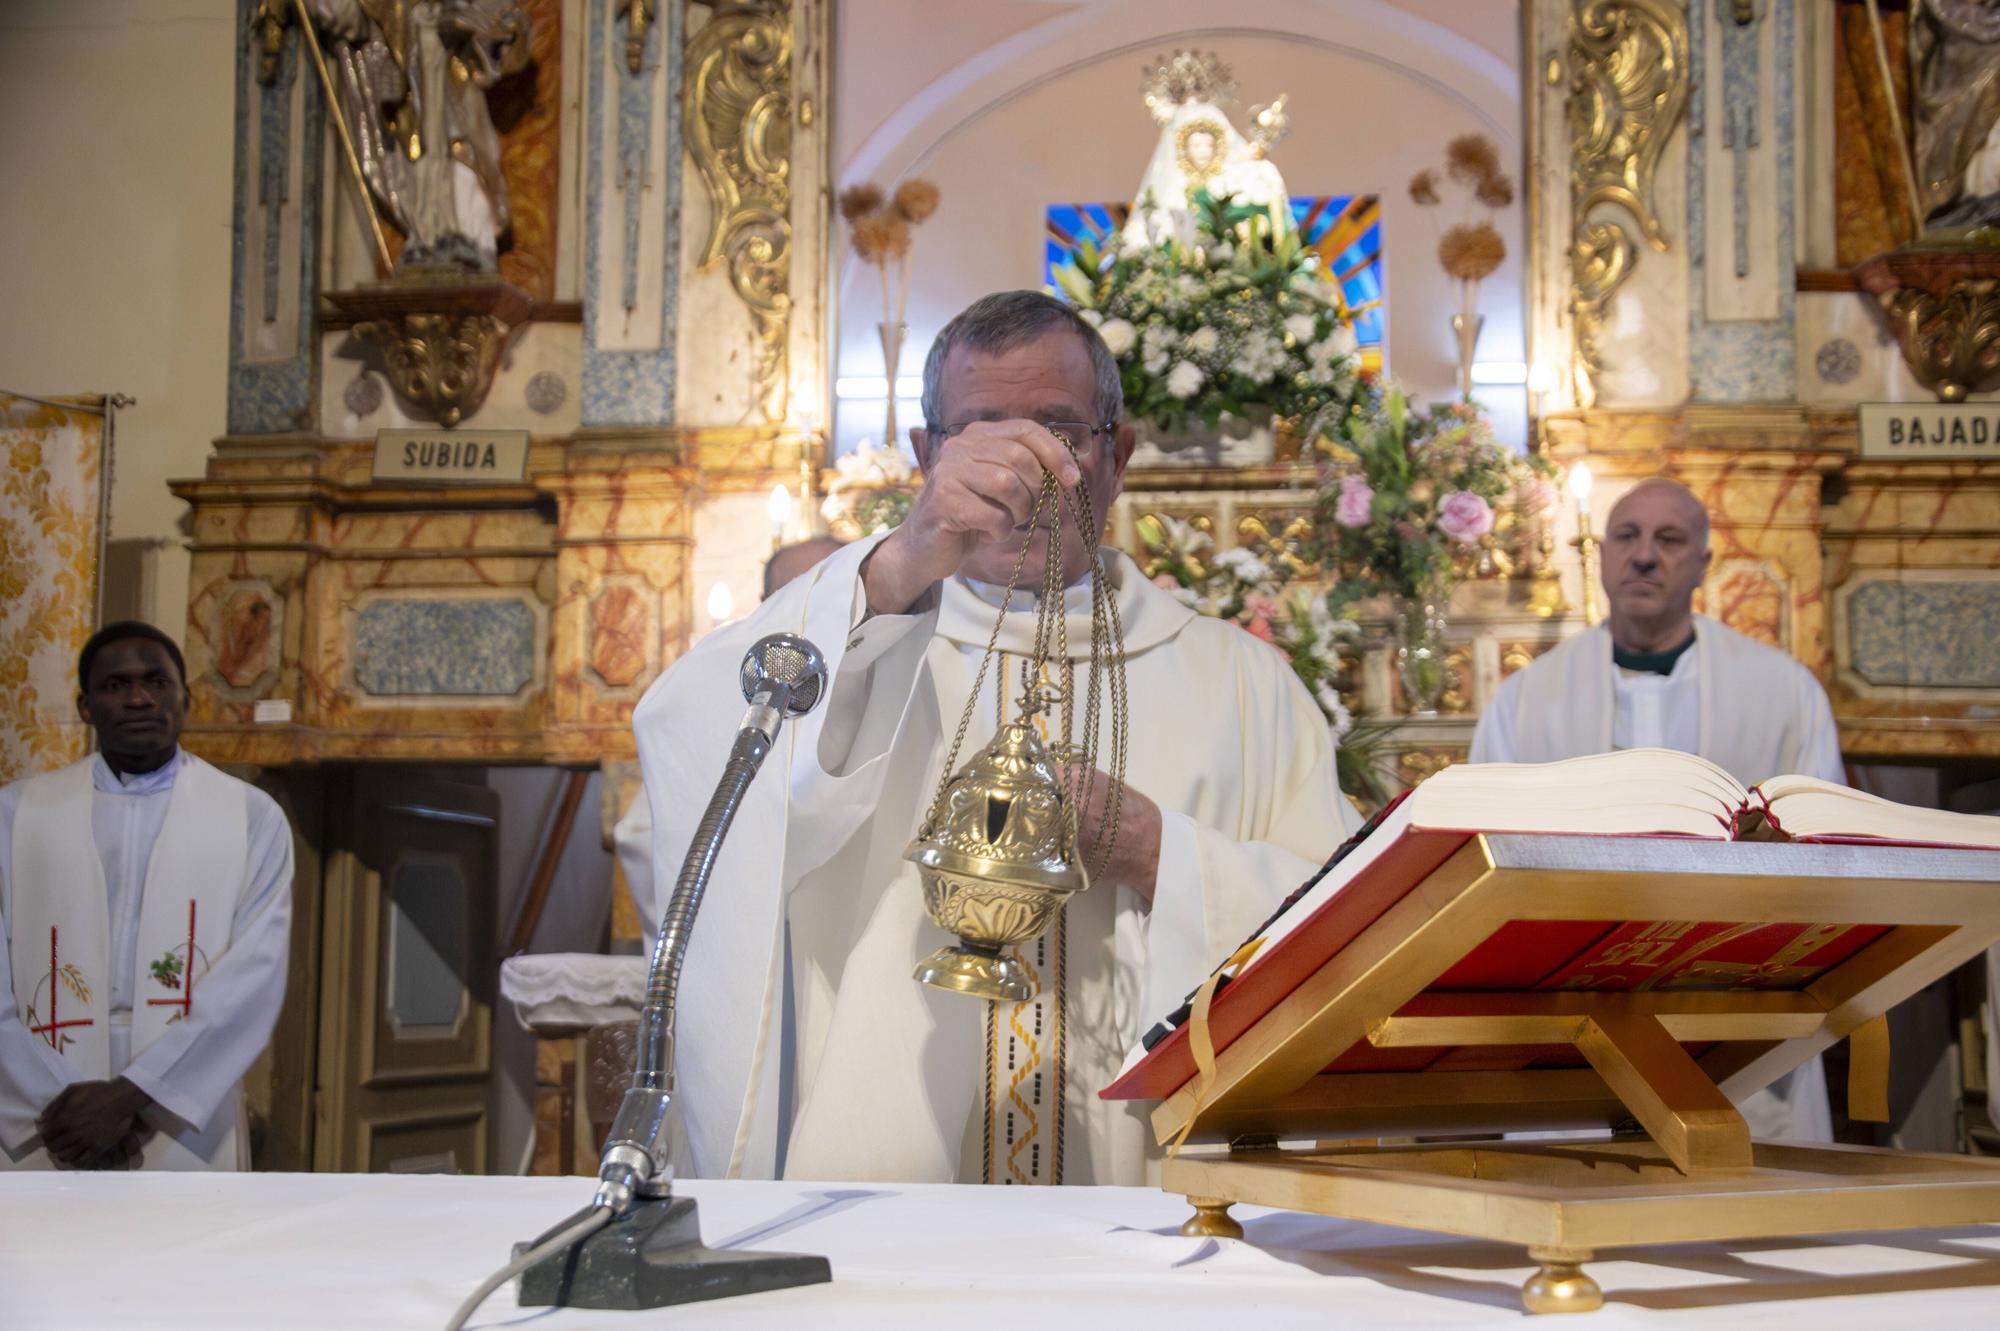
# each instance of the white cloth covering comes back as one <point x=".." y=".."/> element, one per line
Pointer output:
<point x="860" y="1072"/>
<point x="1769" y="717"/>
<point x="194" y="1070"/>
<point x="560" y="989"/>
<point x="334" y="1252"/>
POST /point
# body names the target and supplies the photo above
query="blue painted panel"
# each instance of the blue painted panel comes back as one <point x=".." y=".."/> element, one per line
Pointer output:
<point x="1936" y="635"/>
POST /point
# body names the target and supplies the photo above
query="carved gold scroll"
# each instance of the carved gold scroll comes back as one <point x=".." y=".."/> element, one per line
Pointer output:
<point x="1628" y="85"/>
<point x="736" y="106"/>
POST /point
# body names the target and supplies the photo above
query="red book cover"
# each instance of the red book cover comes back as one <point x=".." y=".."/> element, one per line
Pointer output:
<point x="1522" y="955"/>
<point x="1409" y="860"/>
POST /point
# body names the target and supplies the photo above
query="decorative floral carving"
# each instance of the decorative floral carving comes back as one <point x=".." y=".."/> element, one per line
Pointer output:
<point x="736" y="105"/>
<point x="1952" y="341"/>
<point x="1628" y="86"/>
<point x="1416" y="766"/>
<point x="546" y="393"/>
<point x="1838" y="361"/>
<point x="1943" y="306"/>
<point x="439" y="342"/>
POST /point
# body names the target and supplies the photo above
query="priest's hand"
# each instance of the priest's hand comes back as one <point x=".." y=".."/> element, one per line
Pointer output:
<point x="93" y="1124"/>
<point x="980" y="486"/>
<point x="1135" y="853"/>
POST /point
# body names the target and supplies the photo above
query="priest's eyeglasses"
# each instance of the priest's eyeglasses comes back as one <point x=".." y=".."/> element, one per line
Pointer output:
<point x="1077" y="431"/>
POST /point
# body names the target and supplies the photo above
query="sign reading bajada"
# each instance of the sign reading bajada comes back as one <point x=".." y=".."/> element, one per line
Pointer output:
<point x="1930" y="430"/>
<point x="451" y="457"/>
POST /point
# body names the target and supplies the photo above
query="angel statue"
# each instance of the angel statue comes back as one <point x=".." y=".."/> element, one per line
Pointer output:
<point x="413" y="77"/>
<point x="1200" y="149"/>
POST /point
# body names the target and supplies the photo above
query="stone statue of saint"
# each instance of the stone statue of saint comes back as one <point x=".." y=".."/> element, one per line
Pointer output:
<point x="1955" y="85"/>
<point x="413" y="77"/>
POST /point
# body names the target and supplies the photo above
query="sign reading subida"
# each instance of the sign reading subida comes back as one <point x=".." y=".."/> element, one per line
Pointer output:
<point x="1930" y="430"/>
<point x="451" y="457"/>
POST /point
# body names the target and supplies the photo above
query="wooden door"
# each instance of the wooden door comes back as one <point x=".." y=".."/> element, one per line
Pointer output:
<point x="405" y="1079"/>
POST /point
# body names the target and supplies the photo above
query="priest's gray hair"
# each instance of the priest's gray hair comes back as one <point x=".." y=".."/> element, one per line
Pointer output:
<point x="999" y="323"/>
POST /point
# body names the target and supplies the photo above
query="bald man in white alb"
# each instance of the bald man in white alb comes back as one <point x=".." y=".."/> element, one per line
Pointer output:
<point x="1657" y="675"/>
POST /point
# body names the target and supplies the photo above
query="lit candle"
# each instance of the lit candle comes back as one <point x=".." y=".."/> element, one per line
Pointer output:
<point x="721" y="605"/>
<point x="779" y="508"/>
<point x="1579" y="488"/>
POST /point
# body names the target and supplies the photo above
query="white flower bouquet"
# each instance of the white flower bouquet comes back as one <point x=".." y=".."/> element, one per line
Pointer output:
<point x="1221" y="319"/>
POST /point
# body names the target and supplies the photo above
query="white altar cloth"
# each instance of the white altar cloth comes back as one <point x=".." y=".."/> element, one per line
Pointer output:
<point x="342" y="1252"/>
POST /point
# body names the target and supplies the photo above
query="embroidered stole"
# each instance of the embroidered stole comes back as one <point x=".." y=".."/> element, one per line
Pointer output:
<point x="1022" y="1107"/>
<point x="59" y="916"/>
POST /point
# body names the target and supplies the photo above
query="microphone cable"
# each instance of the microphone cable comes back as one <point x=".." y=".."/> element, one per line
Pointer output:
<point x="589" y="1223"/>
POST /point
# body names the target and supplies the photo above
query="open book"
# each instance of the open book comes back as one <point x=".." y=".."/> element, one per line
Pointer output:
<point x="1635" y="792"/>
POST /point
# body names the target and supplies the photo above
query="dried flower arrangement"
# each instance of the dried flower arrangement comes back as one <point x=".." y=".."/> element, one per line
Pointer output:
<point x="1470" y="249"/>
<point x="881" y="228"/>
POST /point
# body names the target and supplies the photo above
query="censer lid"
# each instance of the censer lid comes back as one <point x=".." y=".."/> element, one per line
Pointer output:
<point x="1005" y="817"/>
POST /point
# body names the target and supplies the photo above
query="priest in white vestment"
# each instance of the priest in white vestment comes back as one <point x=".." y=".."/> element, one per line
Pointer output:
<point x="1657" y="675"/>
<point x="145" y="924"/>
<point x="805" y="1048"/>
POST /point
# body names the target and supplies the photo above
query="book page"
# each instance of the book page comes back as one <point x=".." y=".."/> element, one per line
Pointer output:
<point x="1805" y="808"/>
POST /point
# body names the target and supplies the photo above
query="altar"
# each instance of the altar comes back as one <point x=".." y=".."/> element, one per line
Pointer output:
<point x="335" y="1252"/>
<point x="628" y="286"/>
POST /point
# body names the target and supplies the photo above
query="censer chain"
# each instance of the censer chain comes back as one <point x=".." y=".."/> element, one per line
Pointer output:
<point x="1051" y="641"/>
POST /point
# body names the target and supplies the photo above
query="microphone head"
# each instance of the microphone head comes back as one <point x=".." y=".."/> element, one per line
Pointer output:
<point x="786" y="659"/>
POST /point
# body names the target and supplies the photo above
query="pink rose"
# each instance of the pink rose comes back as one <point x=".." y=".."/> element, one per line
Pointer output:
<point x="1167" y="582"/>
<point x="1464" y="517"/>
<point x="1352" y="508"/>
<point x="1535" y="495"/>
<point x="1261" y="607"/>
<point x="1260" y="627"/>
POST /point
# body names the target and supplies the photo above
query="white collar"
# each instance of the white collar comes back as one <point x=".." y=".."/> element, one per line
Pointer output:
<point x="1149" y="615"/>
<point x="137" y="783"/>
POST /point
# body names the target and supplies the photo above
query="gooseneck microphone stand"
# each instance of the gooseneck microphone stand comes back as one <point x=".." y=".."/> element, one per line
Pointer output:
<point x="637" y="1245"/>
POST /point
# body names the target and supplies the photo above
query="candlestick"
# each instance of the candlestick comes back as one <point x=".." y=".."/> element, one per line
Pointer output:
<point x="1585" y="542"/>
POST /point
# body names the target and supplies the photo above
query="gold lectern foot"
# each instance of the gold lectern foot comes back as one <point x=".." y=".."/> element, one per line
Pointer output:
<point x="1211" y="1220"/>
<point x="988" y="975"/>
<point x="1560" y="1286"/>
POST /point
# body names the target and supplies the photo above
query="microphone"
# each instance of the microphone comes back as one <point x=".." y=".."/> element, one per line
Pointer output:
<point x="783" y="676"/>
<point x="637" y="1245"/>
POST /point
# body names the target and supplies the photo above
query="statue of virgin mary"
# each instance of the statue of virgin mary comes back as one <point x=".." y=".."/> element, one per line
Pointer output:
<point x="1199" y="148"/>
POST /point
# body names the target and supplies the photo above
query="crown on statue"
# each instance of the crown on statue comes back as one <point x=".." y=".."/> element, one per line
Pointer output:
<point x="1186" y="76"/>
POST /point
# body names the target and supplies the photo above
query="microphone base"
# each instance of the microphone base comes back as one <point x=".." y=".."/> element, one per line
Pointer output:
<point x="652" y="1257"/>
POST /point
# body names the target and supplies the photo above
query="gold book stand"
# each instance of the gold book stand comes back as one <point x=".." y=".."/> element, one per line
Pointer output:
<point x="1669" y="1052"/>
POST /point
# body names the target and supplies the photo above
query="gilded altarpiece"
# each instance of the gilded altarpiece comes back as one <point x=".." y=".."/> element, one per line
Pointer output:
<point x="657" y="334"/>
<point x="1686" y="145"/>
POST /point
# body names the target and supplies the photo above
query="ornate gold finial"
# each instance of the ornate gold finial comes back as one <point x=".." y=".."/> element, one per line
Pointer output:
<point x="1186" y="76"/>
<point x="639" y="15"/>
<point x="267" y="28"/>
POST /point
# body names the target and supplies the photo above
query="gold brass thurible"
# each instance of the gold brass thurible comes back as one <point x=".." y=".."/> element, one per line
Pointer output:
<point x="1000" y="848"/>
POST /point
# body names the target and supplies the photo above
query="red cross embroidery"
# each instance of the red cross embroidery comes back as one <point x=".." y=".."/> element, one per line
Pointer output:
<point x="186" y="1001"/>
<point x="52" y="1031"/>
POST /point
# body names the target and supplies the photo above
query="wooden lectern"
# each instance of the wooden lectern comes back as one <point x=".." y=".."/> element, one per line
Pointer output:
<point x="1688" y="974"/>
